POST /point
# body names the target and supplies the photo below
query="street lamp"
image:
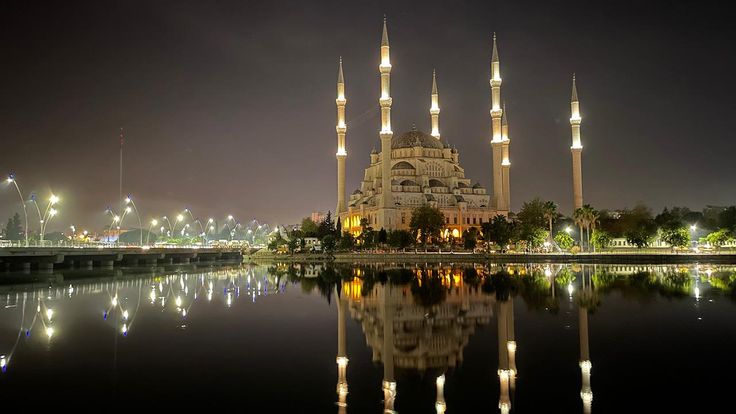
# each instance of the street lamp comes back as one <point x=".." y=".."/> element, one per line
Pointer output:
<point x="11" y="180"/>
<point x="48" y="213"/>
<point x="154" y="222"/>
<point x="129" y="200"/>
<point x="179" y="218"/>
<point x="170" y="228"/>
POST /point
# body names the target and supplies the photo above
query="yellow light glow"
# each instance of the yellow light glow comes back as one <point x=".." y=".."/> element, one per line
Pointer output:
<point x="53" y="199"/>
<point x="49" y="332"/>
<point x="49" y="314"/>
<point x="179" y="217"/>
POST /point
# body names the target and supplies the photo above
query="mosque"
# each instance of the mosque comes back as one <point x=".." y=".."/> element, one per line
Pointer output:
<point x="415" y="168"/>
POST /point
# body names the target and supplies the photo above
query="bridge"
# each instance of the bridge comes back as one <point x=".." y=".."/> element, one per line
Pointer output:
<point x="50" y="258"/>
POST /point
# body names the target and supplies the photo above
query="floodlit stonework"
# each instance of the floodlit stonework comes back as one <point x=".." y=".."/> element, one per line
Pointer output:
<point x="415" y="168"/>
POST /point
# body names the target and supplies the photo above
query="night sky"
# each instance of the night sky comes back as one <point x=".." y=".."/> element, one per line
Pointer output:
<point x="229" y="107"/>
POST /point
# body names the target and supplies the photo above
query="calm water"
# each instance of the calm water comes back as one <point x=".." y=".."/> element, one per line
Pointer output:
<point x="412" y="338"/>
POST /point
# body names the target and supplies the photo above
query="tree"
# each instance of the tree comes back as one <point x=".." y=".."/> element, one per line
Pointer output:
<point x="535" y="238"/>
<point x="718" y="238"/>
<point x="676" y="237"/>
<point x="309" y="227"/>
<point x="564" y="240"/>
<point x="382" y="236"/>
<point x="579" y="217"/>
<point x="638" y="226"/>
<point x="499" y="231"/>
<point x="533" y="213"/>
<point x="727" y="219"/>
<point x="550" y="214"/>
<point x="347" y="241"/>
<point x="600" y="239"/>
<point x="276" y="241"/>
<point x="328" y="243"/>
<point x="327" y="226"/>
<point x="13" y="230"/>
<point x="400" y="239"/>
<point x="426" y="223"/>
<point x="470" y="238"/>
<point x="365" y="238"/>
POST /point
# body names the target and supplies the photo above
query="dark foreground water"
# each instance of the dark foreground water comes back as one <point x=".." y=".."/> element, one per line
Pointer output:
<point x="525" y="338"/>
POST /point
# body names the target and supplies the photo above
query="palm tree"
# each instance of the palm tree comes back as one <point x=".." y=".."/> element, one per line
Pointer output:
<point x="589" y="216"/>
<point x="550" y="213"/>
<point x="579" y="217"/>
<point x="592" y="215"/>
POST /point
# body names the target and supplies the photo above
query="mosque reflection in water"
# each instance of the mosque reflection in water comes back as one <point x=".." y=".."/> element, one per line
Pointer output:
<point x="413" y="317"/>
<point x="421" y="318"/>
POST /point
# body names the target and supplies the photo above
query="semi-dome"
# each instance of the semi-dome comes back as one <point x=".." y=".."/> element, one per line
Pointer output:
<point x="402" y="165"/>
<point x="415" y="138"/>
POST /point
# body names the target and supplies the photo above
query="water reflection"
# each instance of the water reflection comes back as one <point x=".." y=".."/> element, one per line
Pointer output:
<point x="40" y="309"/>
<point x="414" y="318"/>
<point x="421" y="318"/>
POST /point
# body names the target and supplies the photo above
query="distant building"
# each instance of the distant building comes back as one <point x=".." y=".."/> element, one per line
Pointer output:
<point x="318" y="216"/>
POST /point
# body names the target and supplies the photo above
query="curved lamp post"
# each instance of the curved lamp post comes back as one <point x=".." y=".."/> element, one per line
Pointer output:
<point x="170" y="228"/>
<point x="48" y="214"/>
<point x="129" y="200"/>
<point x="154" y="222"/>
<point x="179" y="218"/>
<point x="11" y="180"/>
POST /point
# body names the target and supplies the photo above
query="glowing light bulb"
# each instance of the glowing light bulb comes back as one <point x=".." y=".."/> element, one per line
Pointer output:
<point x="115" y="300"/>
<point x="125" y="315"/>
<point x="178" y="301"/>
<point x="49" y="314"/>
<point x="49" y="332"/>
<point x="570" y="289"/>
<point x="124" y="330"/>
<point x="53" y="199"/>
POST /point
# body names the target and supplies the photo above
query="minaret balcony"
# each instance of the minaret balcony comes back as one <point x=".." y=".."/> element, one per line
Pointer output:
<point x="340" y="101"/>
<point x="385" y="101"/>
<point x="496" y="112"/>
<point x="341" y="129"/>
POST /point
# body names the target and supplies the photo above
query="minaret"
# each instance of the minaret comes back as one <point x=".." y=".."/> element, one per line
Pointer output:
<point x="497" y="141"/>
<point x="342" y="358"/>
<point x="505" y="162"/>
<point x="576" y="148"/>
<point x="434" y="110"/>
<point x="341" y="151"/>
<point x="387" y="202"/>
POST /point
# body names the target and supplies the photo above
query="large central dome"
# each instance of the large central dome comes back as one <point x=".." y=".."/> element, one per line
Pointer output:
<point x="415" y="138"/>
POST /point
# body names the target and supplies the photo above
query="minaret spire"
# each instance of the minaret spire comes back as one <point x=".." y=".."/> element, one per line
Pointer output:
<point x="387" y="202"/>
<point x="341" y="131"/>
<point x="384" y="36"/>
<point x="497" y="136"/>
<point x="434" y="110"/>
<point x="576" y="148"/>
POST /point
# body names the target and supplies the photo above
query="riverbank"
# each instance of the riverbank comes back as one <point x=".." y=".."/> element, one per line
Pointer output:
<point x="598" y="258"/>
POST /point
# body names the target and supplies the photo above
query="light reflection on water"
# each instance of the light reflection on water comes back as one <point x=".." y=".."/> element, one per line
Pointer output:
<point x="413" y="318"/>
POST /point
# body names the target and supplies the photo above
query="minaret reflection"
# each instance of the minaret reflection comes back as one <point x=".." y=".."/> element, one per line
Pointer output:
<point x="440" y="405"/>
<point x="389" y="383"/>
<point x="342" y="357"/>
<point x="586" y="392"/>
<point x="506" y="352"/>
